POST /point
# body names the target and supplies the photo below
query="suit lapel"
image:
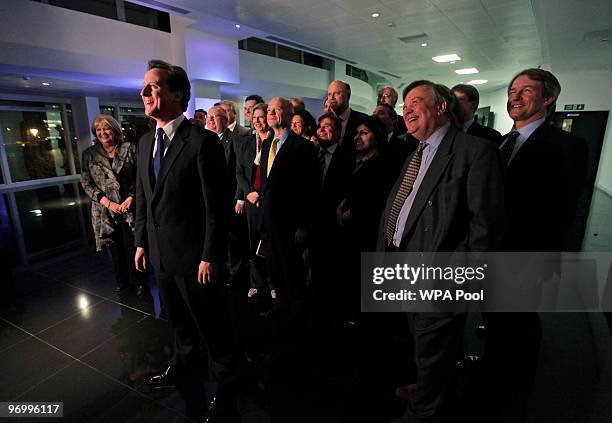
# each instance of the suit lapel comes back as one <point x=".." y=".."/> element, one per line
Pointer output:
<point x="529" y="144"/>
<point x="432" y="177"/>
<point x="176" y="146"/>
<point x="287" y="145"/>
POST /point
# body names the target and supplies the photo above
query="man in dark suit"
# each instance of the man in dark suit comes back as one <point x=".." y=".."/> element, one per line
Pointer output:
<point x="545" y="172"/>
<point x="387" y="95"/>
<point x="235" y="128"/>
<point x="339" y="95"/>
<point x="288" y="196"/>
<point x="218" y="122"/>
<point x="468" y="99"/>
<point x="448" y="197"/>
<point x="329" y="251"/>
<point x="180" y="227"/>
<point x="397" y="149"/>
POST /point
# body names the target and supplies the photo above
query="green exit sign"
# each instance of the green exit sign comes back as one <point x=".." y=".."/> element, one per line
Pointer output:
<point x="573" y="107"/>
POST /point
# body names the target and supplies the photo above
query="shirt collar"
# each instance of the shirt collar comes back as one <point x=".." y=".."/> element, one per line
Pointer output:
<point x="435" y="139"/>
<point x="345" y="115"/>
<point x="172" y="126"/>
<point x="467" y="124"/>
<point x="232" y="126"/>
<point x="526" y="131"/>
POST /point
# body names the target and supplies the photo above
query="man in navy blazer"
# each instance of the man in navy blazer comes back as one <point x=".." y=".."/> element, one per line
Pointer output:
<point x="468" y="99"/>
<point x="545" y="173"/>
<point x="180" y="206"/>
<point x="455" y="204"/>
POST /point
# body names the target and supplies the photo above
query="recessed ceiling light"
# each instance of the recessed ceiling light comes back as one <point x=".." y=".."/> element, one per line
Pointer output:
<point x="478" y="81"/>
<point x="423" y="44"/>
<point x="237" y="26"/>
<point x="452" y="63"/>
<point x="46" y="84"/>
<point x="466" y="71"/>
<point x="375" y="14"/>
<point x="446" y="58"/>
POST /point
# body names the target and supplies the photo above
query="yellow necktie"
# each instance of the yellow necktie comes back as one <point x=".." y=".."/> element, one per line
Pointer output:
<point x="272" y="155"/>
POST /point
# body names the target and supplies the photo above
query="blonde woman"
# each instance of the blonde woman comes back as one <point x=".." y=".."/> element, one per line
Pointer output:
<point x="108" y="177"/>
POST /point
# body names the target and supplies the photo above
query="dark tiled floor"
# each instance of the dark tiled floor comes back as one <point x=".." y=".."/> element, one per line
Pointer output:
<point x="71" y="337"/>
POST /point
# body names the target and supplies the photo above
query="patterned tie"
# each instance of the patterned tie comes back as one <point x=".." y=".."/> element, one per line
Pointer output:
<point x="321" y="158"/>
<point x="404" y="190"/>
<point x="159" y="145"/>
<point x="272" y="155"/>
<point x="505" y="151"/>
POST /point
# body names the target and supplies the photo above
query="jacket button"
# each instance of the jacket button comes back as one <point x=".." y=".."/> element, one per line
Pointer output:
<point x="426" y="229"/>
<point x="430" y="203"/>
<point x="156" y="226"/>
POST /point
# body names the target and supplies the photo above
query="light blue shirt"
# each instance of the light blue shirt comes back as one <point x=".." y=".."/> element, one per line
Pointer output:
<point x="281" y="140"/>
<point x="524" y="133"/>
<point x="433" y="142"/>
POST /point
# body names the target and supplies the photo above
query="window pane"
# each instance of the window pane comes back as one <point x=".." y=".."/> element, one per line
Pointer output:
<point x="35" y="144"/>
<point x="261" y="46"/>
<point x="49" y="216"/>
<point x="107" y="110"/>
<point x="8" y="245"/>
<point x="313" y="60"/>
<point x="104" y="8"/>
<point x="144" y="16"/>
<point x="74" y="142"/>
<point x="288" y="53"/>
<point x="134" y="127"/>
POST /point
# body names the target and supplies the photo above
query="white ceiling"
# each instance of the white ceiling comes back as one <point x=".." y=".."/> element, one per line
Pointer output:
<point x="499" y="37"/>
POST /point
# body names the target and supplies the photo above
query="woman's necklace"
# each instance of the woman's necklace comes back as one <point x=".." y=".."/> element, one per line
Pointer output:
<point x="110" y="153"/>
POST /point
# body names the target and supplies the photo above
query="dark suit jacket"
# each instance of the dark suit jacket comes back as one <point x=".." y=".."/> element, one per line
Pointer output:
<point x="348" y="141"/>
<point x="334" y="185"/>
<point x="460" y="203"/>
<point x="366" y="195"/>
<point x="397" y="151"/>
<point x="241" y="131"/>
<point x="485" y="132"/>
<point x="180" y="217"/>
<point x="246" y="150"/>
<point x="289" y="195"/>
<point x="543" y="182"/>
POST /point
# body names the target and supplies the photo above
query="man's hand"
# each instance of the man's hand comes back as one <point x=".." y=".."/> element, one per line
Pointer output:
<point x="205" y="272"/>
<point x="239" y="207"/>
<point x="140" y="262"/>
<point x="253" y="198"/>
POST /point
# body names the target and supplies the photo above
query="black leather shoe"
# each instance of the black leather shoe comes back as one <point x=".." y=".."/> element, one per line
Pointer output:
<point x="165" y="379"/>
<point x="139" y="290"/>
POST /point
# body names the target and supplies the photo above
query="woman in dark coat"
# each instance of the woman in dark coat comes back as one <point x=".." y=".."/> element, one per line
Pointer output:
<point x="368" y="188"/>
<point x="108" y="176"/>
<point x="383" y="348"/>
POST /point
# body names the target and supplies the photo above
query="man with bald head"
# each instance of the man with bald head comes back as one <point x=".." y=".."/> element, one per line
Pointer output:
<point x="288" y="194"/>
<point x="388" y="96"/>
<point x="338" y="95"/>
<point x="217" y="121"/>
